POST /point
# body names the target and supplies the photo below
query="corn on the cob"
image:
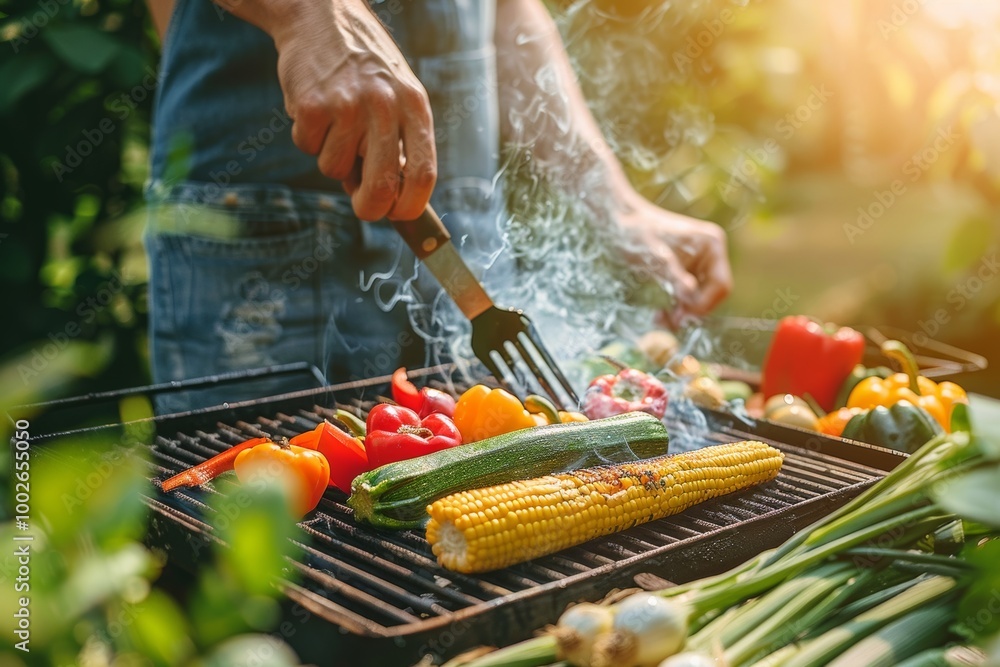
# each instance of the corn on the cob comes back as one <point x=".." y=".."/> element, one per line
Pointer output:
<point x="491" y="528"/>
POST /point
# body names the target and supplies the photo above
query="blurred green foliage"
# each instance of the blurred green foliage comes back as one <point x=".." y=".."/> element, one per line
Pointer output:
<point x="90" y="583"/>
<point x="779" y="120"/>
<point x="790" y="123"/>
<point x="78" y="82"/>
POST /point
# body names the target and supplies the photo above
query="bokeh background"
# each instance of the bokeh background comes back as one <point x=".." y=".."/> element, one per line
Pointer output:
<point x="787" y="122"/>
<point x="851" y="148"/>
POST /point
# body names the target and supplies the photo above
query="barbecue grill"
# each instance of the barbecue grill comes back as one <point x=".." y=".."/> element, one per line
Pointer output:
<point x="360" y="596"/>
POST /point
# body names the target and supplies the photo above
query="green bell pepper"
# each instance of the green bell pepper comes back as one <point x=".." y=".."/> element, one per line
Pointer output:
<point x="904" y="427"/>
<point x="859" y="373"/>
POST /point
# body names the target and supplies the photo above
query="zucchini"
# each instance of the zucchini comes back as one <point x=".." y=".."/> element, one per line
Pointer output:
<point x="397" y="495"/>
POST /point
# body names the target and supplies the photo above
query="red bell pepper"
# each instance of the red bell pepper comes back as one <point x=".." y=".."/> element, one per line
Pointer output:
<point x="345" y="453"/>
<point x="424" y="402"/>
<point x="629" y="391"/>
<point x="396" y="433"/>
<point x="809" y="358"/>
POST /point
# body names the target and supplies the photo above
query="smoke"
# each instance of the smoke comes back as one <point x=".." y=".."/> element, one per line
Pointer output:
<point x="548" y="243"/>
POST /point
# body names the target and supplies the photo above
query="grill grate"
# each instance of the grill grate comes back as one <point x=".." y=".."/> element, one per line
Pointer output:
<point x="391" y="578"/>
<point x="384" y="589"/>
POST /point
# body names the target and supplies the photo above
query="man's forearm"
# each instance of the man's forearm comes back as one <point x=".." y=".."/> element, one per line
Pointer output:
<point x="282" y="19"/>
<point x="541" y="105"/>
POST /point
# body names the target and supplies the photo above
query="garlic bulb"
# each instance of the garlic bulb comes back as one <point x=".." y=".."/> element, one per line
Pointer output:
<point x="647" y="629"/>
<point x="578" y="628"/>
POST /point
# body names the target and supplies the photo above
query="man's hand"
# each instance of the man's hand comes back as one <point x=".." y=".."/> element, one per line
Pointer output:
<point x="688" y="254"/>
<point x="354" y="102"/>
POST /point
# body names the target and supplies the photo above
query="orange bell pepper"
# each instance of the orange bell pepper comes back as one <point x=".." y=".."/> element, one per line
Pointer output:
<point x="482" y="413"/>
<point x="345" y="453"/>
<point x="937" y="399"/>
<point x="833" y="423"/>
<point x="305" y="470"/>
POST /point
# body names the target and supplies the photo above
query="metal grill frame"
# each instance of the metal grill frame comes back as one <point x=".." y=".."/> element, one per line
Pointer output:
<point x="514" y="615"/>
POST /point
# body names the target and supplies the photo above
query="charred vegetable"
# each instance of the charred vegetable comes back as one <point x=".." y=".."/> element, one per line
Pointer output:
<point x="397" y="495"/>
<point x="489" y="528"/>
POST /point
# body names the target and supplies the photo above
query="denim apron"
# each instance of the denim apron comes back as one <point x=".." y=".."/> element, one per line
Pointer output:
<point x="256" y="258"/>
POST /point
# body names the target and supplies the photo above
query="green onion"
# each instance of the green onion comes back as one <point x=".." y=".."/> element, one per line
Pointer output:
<point x="787" y="604"/>
<point x="860" y="606"/>
<point x="831" y="644"/>
<point x="529" y="653"/>
<point x="796" y="591"/>
<point x="900" y="639"/>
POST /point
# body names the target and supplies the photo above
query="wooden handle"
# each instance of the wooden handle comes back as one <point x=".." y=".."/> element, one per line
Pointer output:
<point x="425" y="234"/>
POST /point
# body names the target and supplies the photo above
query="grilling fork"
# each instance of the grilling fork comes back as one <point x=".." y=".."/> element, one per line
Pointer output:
<point x="494" y="329"/>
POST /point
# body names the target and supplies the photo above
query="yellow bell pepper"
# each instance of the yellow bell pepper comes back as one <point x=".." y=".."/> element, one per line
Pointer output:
<point x="482" y="413"/>
<point x="936" y="398"/>
<point x="544" y="412"/>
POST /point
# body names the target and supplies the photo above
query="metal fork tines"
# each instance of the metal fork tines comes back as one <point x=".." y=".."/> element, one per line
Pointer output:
<point x="498" y="336"/>
<point x="503" y="333"/>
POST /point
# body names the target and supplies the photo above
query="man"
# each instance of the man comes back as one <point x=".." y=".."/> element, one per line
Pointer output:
<point x="279" y="124"/>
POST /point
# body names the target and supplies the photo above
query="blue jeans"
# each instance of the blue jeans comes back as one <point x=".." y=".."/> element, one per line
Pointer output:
<point x="280" y="283"/>
<point x="255" y="258"/>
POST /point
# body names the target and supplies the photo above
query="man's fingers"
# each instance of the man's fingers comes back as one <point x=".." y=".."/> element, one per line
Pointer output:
<point x="716" y="284"/>
<point x="420" y="169"/>
<point x="340" y="151"/>
<point x="419" y="172"/>
<point x="672" y="269"/>
<point x="311" y="120"/>
<point x="376" y="194"/>
<point x="715" y="277"/>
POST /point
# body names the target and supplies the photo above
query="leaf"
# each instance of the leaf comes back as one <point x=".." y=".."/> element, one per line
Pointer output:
<point x="259" y="534"/>
<point x="130" y="67"/>
<point x="22" y="75"/>
<point x="179" y="151"/>
<point x="83" y="47"/>
<point x="102" y="576"/>
<point x="158" y="628"/>
<point x="245" y="649"/>
<point x="977" y="607"/>
<point x="974" y="495"/>
<point x="94" y="495"/>
<point x="960" y="418"/>
<point x="965" y="249"/>
<point x="984" y="412"/>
